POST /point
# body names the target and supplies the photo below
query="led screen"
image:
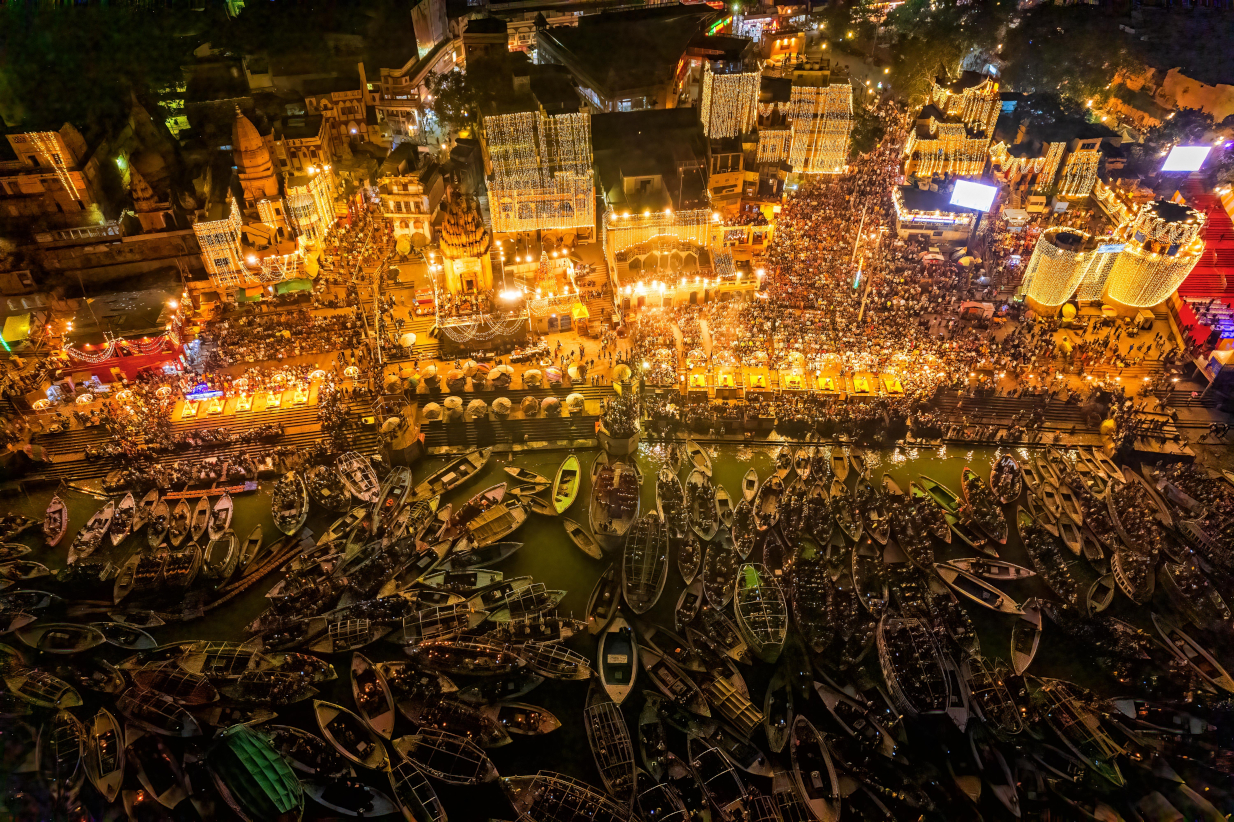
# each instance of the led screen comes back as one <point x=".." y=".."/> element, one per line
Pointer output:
<point x="973" y="195"/>
<point x="1186" y="158"/>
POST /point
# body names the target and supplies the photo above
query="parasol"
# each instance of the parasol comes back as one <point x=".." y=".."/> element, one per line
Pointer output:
<point x="574" y="373"/>
<point x="551" y="406"/>
<point x="575" y="402"/>
<point x="432" y="411"/>
<point x="554" y="375"/>
<point x="501" y="406"/>
<point x="501" y="376"/>
<point x="532" y="377"/>
<point x="429" y="372"/>
<point x="453" y="403"/>
<point x="389" y="425"/>
<point x="477" y="409"/>
<point x="530" y="406"/>
<point x="469" y="367"/>
<point x="621" y="372"/>
<point x="407" y="340"/>
<point x="351" y="371"/>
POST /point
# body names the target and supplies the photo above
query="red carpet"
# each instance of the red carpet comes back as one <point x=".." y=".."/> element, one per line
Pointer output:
<point x="1214" y="276"/>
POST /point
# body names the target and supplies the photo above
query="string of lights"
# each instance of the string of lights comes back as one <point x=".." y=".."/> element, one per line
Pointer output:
<point x="1056" y="267"/>
<point x="774" y="144"/>
<point x="822" y="119"/>
<point x="47" y="142"/>
<point x="220" y="246"/>
<point x="1080" y="173"/>
<point x="728" y="104"/>
<point x="542" y="171"/>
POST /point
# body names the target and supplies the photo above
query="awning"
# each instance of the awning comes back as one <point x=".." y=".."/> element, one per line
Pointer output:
<point x="248" y="295"/>
<point x="17" y="327"/>
<point x="579" y="312"/>
<point x="288" y="286"/>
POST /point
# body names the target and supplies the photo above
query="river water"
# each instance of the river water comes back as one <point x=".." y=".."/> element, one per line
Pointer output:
<point x="550" y="557"/>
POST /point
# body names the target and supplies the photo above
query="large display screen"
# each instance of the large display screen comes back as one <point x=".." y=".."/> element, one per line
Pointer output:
<point x="973" y="195"/>
<point x="1186" y="158"/>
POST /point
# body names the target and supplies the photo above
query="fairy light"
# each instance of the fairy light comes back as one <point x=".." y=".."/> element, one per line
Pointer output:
<point x="48" y="144"/>
<point x="774" y="144"/>
<point x="1080" y="173"/>
<point x="822" y="118"/>
<point x="1158" y="255"/>
<point x="729" y="102"/>
<point x="220" y="247"/>
<point x="1053" y="156"/>
<point x="1056" y="267"/>
<point x="542" y="171"/>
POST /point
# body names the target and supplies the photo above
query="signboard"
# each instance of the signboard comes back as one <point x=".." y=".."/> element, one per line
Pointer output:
<point x="973" y="195"/>
<point x="1111" y="248"/>
<point x="1186" y="158"/>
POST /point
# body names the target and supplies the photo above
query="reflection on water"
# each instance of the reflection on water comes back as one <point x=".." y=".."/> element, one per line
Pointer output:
<point x="551" y="558"/>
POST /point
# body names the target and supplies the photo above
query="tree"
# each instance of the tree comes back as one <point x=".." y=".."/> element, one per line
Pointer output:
<point x="868" y="131"/>
<point x="459" y="97"/>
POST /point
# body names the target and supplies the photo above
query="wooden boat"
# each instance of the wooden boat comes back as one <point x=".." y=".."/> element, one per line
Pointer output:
<point x="538" y="506"/>
<point x="698" y="457"/>
<point x="605" y="600"/>
<point x="289" y="503"/>
<point x="976" y="589"/>
<point x="466" y="658"/>
<point x="350" y="735"/>
<point x="566" y="484"/>
<point x="1080" y="731"/>
<point x="122" y="520"/>
<point x="452" y="475"/>
<point x="1100" y="594"/>
<point x="60" y="637"/>
<point x="611" y="747"/>
<point x="762" y="611"/>
<point x="701" y="505"/>
<point x="55" y="522"/>
<point x="1193" y="653"/>
<point x="23" y="570"/>
<point x="343" y="635"/>
<point x="358" y="477"/>
<point x="1069" y="505"/>
<point x="494" y="525"/>
<point x="724" y="505"/>
<point x="644" y="564"/>
<point x="124" y="636"/>
<point x="484" y="556"/>
<point x="1032" y="476"/>
<point x="720" y="574"/>
<point x="91" y="535"/>
<point x="221" y="557"/>
<point x="1006" y="479"/>
<point x="157" y="713"/>
<point x="618" y="659"/>
<point x="372" y="696"/>
<point x="306" y="752"/>
<point x="452" y="758"/>
<point x="13" y="550"/>
<point x="870" y="577"/>
<point x="912" y="665"/>
<point x="749" y="485"/>
<point x="250" y="548"/>
<point x="689" y="558"/>
<point x="549" y="795"/>
<point x="614" y="501"/>
<point x="393" y="491"/>
<point x="168" y="678"/>
<point x="1026" y="636"/>
<point x="528" y="477"/>
<point x="941" y="494"/>
<point x="995" y="569"/>
<point x="41" y="689"/>
<point x="767" y="502"/>
<point x="688" y="604"/>
<point x="839" y="464"/>
<point x="181" y="523"/>
<point x="778" y="711"/>
<point x="1105" y="465"/>
<point x="104" y="754"/>
<point x="157" y="769"/>
<point x="672" y="681"/>
<point x="59" y="750"/>
<point x="556" y="661"/>
<point x="983" y="506"/>
<point x="220" y="517"/>
<point x="327" y="488"/>
<point x="160" y="522"/>
<point x="414" y="794"/>
<point x="585" y="542"/>
<point x="844" y="510"/>
<point x="719" y="779"/>
<point x="201" y="519"/>
<point x="348" y="796"/>
<point x="856" y="717"/>
<point x="933" y="516"/>
<point x="671" y="504"/>
<point x="813" y="770"/>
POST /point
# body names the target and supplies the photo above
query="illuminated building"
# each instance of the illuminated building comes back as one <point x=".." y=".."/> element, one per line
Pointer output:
<point x="1056" y="268"/>
<point x="728" y="105"/>
<point x="54" y="180"/>
<point x="1139" y="266"/>
<point x="953" y="131"/>
<point x="541" y="171"/>
<point x="304" y="143"/>
<point x="822" y="117"/>
<point x="410" y="187"/>
<point x="253" y="164"/>
<point x="1163" y="242"/>
<point x="465" y="244"/>
<point x="310" y="204"/>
